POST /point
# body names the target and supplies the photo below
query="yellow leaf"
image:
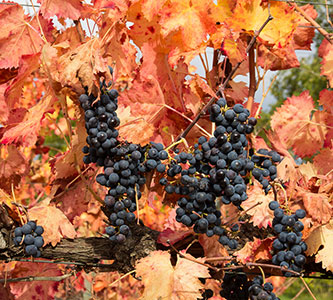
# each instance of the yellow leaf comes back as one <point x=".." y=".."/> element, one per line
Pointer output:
<point x="322" y="236"/>
<point x="163" y="281"/>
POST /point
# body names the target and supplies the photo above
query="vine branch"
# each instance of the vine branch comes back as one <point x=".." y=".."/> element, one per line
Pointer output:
<point x="37" y="278"/>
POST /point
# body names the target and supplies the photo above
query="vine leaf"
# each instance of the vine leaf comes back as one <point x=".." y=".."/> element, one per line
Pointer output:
<point x="297" y="127"/>
<point x="324" y="161"/>
<point x="325" y="51"/>
<point x="303" y="35"/>
<point x="317" y="205"/>
<point x="17" y="36"/>
<point x="261" y="215"/>
<point x="253" y="251"/>
<point x="55" y="223"/>
<point x="179" y="282"/>
<point x="322" y="236"/>
<point x="250" y="15"/>
<point x="326" y="100"/>
<point x="12" y="94"/>
<point x="12" y="168"/>
<point x="212" y="247"/>
<point x="71" y="9"/>
<point x="25" y="133"/>
<point x="35" y="289"/>
<point x="134" y="129"/>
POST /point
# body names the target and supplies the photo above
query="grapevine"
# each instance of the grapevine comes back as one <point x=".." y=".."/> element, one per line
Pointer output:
<point x="136" y="163"/>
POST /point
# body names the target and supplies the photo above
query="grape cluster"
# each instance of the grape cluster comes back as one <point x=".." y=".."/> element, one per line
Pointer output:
<point x="125" y="164"/>
<point x="124" y="175"/>
<point x="288" y="246"/>
<point x="235" y="286"/>
<point x="260" y="291"/>
<point x="101" y="120"/>
<point x="264" y="166"/>
<point x="31" y="235"/>
<point x="217" y="167"/>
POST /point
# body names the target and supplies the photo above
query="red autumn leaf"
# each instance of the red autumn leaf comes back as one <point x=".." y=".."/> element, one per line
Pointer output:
<point x="303" y="36"/>
<point x="55" y="223"/>
<point x="317" y="205"/>
<point x="74" y="201"/>
<point x="179" y="282"/>
<point x="27" y="64"/>
<point x="204" y="86"/>
<point x="26" y="132"/>
<point x="325" y="51"/>
<point x="62" y="9"/>
<point x="12" y="168"/>
<point x="256" y="250"/>
<point x="5" y="292"/>
<point x="65" y="164"/>
<point x="170" y="236"/>
<point x="34" y="290"/>
<point x="16" y="36"/>
<point x="261" y="215"/>
<point x="324" y="161"/>
<point x="212" y="247"/>
<point x="276" y="58"/>
<point x="326" y="100"/>
<point x="119" y="48"/>
<point x="297" y="127"/>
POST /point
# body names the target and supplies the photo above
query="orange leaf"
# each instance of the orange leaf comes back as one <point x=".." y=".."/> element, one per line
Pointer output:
<point x="33" y="290"/>
<point x="64" y="165"/>
<point x="322" y="236"/>
<point x="261" y="215"/>
<point x="80" y="67"/>
<point x="324" y="161"/>
<point x="317" y="206"/>
<point x="179" y="282"/>
<point x="12" y="168"/>
<point x="293" y="122"/>
<point x="326" y="100"/>
<point x="251" y="15"/>
<point x="253" y="251"/>
<point x="303" y="35"/>
<point x="26" y="131"/>
<point x="27" y="64"/>
<point x="325" y="51"/>
<point x="55" y="223"/>
<point x="134" y="129"/>
<point x="71" y="9"/>
<point x="212" y="247"/>
<point x="276" y="58"/>
<point x="17" y="38"/>
<point x="184" y="16"/>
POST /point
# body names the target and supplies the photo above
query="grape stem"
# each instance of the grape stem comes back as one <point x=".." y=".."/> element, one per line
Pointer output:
<point x="249" y="265"/>
<point x="308" y="288"/>
<point x="137" y="204"/>
<point x="122" y="277"/>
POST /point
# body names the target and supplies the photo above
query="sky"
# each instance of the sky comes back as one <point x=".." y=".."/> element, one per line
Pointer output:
<point x="270" y="99"/>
